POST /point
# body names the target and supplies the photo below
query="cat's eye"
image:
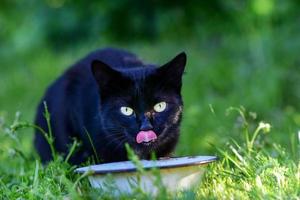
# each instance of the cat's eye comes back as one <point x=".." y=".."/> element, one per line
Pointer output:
<point x="126" y="110"/>
<point x="160" y="107"/>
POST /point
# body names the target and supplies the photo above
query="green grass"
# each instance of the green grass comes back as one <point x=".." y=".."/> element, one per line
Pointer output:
<point x="231" y="71"/>
<point x="245" y="171"/>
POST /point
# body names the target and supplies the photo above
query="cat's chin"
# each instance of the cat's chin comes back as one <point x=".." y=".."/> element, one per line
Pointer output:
<point x="148" y="144"/>
<point x="145" y="148"/>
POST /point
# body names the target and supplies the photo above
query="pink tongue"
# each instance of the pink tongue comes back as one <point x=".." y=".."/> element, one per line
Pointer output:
<point x="145" y="136"/>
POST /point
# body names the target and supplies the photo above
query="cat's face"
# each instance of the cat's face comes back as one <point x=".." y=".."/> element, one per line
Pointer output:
<point x="141" y="106"/>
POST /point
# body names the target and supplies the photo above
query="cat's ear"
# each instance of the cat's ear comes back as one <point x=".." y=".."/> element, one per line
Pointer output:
<point x="108" y="79"/>
<point x="103" y="73"/>
<point x="171" y="72"/>
<point x="176" y="65"/>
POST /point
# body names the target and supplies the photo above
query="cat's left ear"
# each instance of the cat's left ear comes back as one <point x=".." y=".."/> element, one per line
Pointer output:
<point x="172" y="71"/>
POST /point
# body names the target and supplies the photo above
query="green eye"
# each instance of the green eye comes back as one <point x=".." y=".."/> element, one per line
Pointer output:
<point x="126" y="111"/>
<point x="160" y="107"/>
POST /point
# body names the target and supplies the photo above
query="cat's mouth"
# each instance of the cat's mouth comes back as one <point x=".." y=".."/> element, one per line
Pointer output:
<point x="146" y="137"/>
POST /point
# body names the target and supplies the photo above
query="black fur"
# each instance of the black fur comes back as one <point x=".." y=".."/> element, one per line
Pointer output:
<point x="88" y="97"/>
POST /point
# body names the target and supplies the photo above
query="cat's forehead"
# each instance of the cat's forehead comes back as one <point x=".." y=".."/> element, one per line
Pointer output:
<point x="144" y="88"/>
<point x="143" y="84"/>
<point x="138" y="73"/>
<point x="144" y="93"/>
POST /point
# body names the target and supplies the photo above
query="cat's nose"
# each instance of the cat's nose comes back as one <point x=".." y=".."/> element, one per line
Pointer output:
<point x="146" y="125"/>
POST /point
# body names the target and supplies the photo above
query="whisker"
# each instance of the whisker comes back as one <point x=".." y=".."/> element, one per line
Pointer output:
<point x="113" y="135"/>
<point x="120" y="144"/>
<point x="115" y="140"/>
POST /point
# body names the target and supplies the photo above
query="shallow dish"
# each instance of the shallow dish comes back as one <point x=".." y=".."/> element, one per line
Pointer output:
<point x="177" y="174"/>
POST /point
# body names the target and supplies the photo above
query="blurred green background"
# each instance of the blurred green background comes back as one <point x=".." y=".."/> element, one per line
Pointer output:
<point x="239" y="53"/>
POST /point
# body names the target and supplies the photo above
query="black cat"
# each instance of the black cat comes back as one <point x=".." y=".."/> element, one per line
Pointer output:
<point x="114" y="98"/>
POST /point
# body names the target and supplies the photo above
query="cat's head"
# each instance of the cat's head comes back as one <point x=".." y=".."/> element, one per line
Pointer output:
<point x="141" y="106"/>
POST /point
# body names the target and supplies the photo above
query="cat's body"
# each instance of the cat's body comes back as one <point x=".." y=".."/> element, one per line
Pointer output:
<point x="88" y="97"/>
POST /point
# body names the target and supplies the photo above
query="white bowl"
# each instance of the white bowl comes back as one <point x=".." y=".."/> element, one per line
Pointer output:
<point x="176" y="174"/>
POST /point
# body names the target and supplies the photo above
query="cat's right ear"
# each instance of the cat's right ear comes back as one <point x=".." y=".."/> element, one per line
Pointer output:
<point x="109" y="80"/>
<point x="103" y="73"/>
